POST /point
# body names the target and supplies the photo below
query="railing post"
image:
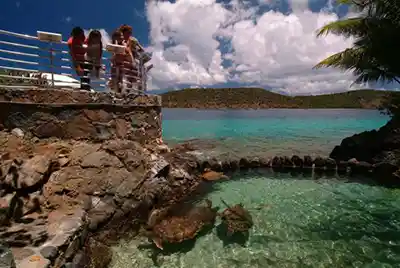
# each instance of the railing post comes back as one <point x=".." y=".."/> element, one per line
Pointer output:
<point x="52" y="64"/>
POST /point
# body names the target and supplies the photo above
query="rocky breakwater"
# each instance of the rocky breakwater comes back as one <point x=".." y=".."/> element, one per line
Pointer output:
<point x="213" y="168"/>
<point x="379" y="149"/>
<point x="56" y="194"/>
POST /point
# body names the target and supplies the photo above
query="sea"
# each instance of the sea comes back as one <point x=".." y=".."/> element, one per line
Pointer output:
<point x="299" y="220"/>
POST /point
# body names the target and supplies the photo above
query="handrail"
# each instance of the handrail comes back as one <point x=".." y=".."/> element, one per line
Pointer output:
<point x="48" y="60"/>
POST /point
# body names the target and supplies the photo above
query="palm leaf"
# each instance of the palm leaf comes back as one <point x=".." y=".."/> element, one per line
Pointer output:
<point x="347" y="27"/>
<point x="346" y="59"/>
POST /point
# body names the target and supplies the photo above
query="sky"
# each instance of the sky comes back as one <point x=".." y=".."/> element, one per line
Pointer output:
<point x="209" y="43"/>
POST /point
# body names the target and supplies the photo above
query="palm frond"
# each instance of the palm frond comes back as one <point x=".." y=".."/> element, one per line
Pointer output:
<point x="346" y="59"/>
<point x="347" y="27"/>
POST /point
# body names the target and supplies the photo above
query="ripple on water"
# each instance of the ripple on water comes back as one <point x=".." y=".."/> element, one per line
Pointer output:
<point x="297" y="223"/>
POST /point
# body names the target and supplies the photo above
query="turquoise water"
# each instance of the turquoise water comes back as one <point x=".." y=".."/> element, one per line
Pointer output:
<point x="298" y="222"/>
<point x="267" y="132"/>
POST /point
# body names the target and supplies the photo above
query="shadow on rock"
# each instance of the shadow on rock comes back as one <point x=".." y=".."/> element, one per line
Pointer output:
<point x="239" y="238"/>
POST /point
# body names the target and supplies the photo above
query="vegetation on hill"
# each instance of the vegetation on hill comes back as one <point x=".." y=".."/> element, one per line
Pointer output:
<point x="258" y="98"/>
<point x="374" y="55"/>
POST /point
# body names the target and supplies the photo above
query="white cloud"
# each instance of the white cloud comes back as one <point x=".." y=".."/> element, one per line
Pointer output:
<point x="202" y="43"/>
<point x="68" y="19"/>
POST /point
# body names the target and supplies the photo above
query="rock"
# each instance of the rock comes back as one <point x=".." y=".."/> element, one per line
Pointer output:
<point x="21" y="253"/>
<point x="101" y="159"/>
<point x="21" y="235"/>
<point x="129" y="206"/>
<point x="102" y="210"/>
<point x="361" y="168"/>
<point x="226" y="165"/>
<point x="265" y="162"/>
<point x="277" y="162"/>
<point x="98" y="254"/>
<point x="213" y="176"/>
<point x="287" y="162"/>
<point x="6" y="257"/>
<point x="254" y="163"/>
<point x="78" y="260"/>
<point x="158" y="167"/>
<point x="370" y="146"/>
<point x="244" y="163"/>
<point x="34" y="261"/>
<point x="72" y="249"/>
<point x="32" y="172"/>
<point x="353" y="161"/>
<point x="162" y="148"/>
<point x="49" y="252"/>
<point x="17" y="132"/>
<point x="319" y="162"/>
<point x="297" y="161"/>
<point x="179" y="174"/>
<point x="384" y="169"/>
<point x="63" y="161"/>
<point x="330" y="164"/>
<point x="204" y="165"/>
<point x="63" y="228"/>
<point x="308" y="162"/>
<point x="234" y="165"/>
<point x="343" y="165"/>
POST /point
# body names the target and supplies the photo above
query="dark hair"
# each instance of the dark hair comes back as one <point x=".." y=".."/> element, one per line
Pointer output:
<point x="76" y="31"/>
<point x="94" y="34"/>
<point x="116" y="34"/>
<point x="125" y="28"/>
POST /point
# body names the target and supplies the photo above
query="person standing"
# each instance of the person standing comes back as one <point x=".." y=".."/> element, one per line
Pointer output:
<point x="117" y="63"/>
<point x="77" y="52"/>
<point x="133" y="46"/>
<point x="94" y="51"/>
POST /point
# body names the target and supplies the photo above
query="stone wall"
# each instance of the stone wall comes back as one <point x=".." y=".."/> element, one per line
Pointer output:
<point x="69" y="114"/>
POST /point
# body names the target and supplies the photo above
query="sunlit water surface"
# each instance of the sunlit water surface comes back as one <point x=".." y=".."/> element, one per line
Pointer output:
<point x="298" y="222"/>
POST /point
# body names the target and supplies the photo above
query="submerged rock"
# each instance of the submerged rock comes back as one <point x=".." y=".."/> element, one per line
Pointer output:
<point x="6" y="257"/>
<point x="213" y="176"/>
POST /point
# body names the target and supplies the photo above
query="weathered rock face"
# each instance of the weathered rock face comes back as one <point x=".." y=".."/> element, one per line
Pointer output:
<point x="70" y="114"/>
<point x="376" y="152"/>
<point x="53" y="192"/>
<point x="382" y="145"/>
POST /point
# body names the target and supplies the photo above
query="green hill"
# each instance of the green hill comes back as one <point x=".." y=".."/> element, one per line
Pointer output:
<point x="258" y="98"/>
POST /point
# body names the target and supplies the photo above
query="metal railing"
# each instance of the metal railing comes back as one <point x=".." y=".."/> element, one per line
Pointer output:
<point x="44" y="61"/>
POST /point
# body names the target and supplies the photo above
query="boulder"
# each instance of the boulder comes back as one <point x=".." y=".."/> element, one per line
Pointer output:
<point x="297" y="161"/>
<point x="307" y="162"/>
<point x="319" y="162"/>
<point x="213" y="176"/>
<point x="370" y="146"/>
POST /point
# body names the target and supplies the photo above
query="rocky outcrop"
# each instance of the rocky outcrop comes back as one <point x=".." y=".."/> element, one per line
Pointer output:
<point x="55" y="193"/>
<point x="382" y="145"/>
<point x="378" y="150"/>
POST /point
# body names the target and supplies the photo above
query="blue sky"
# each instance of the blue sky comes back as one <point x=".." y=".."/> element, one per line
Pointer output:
<point x="27" y="16"/>
<point x="214" y="43"/>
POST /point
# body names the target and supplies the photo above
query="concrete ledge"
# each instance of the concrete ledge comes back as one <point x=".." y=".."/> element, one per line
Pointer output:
<point x="71" y="114"/>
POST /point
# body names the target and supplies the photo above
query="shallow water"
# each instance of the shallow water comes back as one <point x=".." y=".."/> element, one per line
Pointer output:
<point x="267" y="132"/>
<point x="298" y="222"/>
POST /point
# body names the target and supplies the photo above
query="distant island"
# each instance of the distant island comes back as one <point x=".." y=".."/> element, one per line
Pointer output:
<point x="258" y="98"/>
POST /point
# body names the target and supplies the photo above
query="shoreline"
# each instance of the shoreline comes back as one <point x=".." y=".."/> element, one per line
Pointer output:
<point x="92" y="194"/>
<point x="255" y="109"/>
